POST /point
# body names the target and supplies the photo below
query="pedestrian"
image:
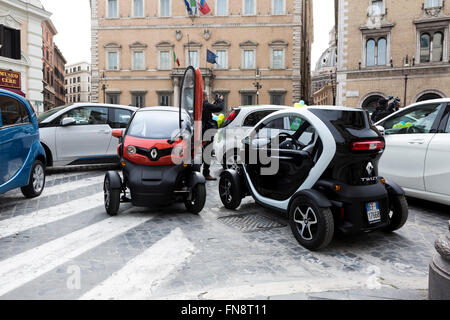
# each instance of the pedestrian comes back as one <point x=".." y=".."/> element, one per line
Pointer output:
<point x="209" y="124"/>
<point x="381" y="110"/>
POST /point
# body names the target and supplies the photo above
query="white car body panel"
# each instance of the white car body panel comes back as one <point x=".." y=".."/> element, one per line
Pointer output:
<point x="437" y="165"/>
<point x="94" y="140"/>
<point x="401" y="147"/>
<point x="70" y="143"/>
<point x="419" y="163"/>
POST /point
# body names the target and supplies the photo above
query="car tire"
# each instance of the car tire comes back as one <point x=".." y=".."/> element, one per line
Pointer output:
<point x="231" y="160"/>
<point x="230" y="192"/>
<point x="312" y="226"/>
<point x="36" y="182"/>
<point x="198" y="199"/>
<point x="399" y="210"/>
<point x="112" y="197"/>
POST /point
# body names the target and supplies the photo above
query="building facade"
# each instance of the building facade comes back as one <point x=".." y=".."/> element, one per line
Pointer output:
<point x="59" y="67"/>
<point x="53" y="68"/>
<point x="78" y="82"/>
<point x="21" y="50"/>
<point x="392" y="48"/>
<point x="323" y="82"/>
<point x="136" y="43"/>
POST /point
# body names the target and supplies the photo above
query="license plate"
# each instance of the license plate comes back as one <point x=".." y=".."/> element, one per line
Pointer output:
<point x="373" y="212"/>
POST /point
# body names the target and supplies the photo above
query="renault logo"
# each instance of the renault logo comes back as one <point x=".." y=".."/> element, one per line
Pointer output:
<point x="370" y="168"/>
<point x="154" y="154"/>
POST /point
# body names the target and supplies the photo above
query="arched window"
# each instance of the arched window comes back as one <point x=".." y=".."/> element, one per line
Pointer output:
<point x="382" y="52"/>
<point x="370" y="53"/>
<point x="425" y="40"/>
<point x="370" y="103"/>
<point x="428" y="96"/>
<point x="438" y="43"/>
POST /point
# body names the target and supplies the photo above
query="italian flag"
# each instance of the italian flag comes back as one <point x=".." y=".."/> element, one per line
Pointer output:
<point x="203" y="7"/>
<point x="175" y="59"/>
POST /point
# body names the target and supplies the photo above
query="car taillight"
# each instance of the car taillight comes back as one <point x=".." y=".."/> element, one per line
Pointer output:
<point x="369" y="145"/>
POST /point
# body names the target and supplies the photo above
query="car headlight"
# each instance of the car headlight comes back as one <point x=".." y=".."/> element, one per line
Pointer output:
<point x="131" y="150"/>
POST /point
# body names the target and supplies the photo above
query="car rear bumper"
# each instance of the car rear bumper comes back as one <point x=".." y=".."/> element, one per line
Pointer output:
<point x="350" y="206"/>
<point x="152" y="185"/>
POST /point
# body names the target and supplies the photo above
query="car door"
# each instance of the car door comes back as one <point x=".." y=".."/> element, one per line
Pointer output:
<point x="16" y="137"/>
<point x="118" y="119"/>
<point x="437" y="162"/>
<point x="89" y="137"/>
<point x="191" y="102"/>
<point x="408" y="135"/>
<point x="276" y="163"/>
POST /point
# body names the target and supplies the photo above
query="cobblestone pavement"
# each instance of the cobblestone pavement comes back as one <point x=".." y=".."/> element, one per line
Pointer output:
<point x="63" y="245"/>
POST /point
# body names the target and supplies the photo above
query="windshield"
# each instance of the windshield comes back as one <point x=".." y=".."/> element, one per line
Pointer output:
<point x="154" y="125"/>
<point x="48" y="113"/>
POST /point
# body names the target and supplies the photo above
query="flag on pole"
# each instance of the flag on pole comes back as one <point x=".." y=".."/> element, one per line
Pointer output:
<point x="211" y="57"/>
<point x="203" y="7"/>
<point x="188" y="7"/>
<point x="193" y="4"/>
<point x="175" y="59"/>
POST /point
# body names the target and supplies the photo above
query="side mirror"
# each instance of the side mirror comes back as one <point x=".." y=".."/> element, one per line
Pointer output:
<point x="68" y="121"/>
<point x="118" y="133"/>
<point x="246" y="140"/>
<point x="381" y="129"/>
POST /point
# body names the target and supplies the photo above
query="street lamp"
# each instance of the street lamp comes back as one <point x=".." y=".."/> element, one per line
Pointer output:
<point x="257" y="85"/>
<point x="104" y="86"/>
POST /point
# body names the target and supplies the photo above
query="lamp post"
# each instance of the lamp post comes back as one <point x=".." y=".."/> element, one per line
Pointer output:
<point x="257" y="85"/>
<point x="104" y="86"/>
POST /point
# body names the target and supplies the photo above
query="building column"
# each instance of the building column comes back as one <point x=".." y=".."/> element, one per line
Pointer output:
<point x="208" y="86"/>
<point x="176" y="91"/>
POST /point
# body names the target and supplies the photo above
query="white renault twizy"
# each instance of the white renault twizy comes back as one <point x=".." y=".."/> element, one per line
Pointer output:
<point x="320" y="166"/>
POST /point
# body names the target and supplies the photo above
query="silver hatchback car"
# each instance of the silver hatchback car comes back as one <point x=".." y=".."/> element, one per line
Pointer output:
<point x="81" y="133"/>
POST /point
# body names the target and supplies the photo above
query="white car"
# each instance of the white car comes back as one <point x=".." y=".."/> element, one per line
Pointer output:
<point x="228" y="139"/>
<point x="417" y="154"/>
<point x="81" y="133"/>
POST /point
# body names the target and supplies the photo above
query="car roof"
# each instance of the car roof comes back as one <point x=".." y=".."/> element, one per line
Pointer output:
<point x="331" y="108"/>
<point x="92" y="104"/>
<point x="160" y="108"/>
<point x="261" y="107"/>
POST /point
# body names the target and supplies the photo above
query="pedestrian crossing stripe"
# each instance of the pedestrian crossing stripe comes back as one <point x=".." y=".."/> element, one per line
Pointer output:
<point x="141" y="276"/>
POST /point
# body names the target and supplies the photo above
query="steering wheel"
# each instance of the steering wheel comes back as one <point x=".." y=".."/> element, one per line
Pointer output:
<point x="414" y="129"/>
<point x="289" y="144"/>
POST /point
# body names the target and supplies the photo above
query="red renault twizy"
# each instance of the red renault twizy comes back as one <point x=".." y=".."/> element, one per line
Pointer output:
<point x="158" y="153"/>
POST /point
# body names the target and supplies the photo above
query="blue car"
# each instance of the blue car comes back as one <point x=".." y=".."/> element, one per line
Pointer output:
<point x="22" y="157"/>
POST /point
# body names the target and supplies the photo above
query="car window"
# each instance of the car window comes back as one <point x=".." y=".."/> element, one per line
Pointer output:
<point x="274" y="127"/>
<point x="154" y="125"/>
<point x="12" y="112"/>
<point x="255" y="117"/>
<point x="417" y="120"/>
<point x="87" y="115"/>
<point x="447" y="129"/>
<point x="44" y="115"/>
<point x="120" y="118"/>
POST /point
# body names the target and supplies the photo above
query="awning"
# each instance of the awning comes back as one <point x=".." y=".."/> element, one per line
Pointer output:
<point x="17" y="91"/>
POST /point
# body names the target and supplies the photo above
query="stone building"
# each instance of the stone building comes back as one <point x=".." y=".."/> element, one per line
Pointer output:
<point x="21" y="48"/>
<point x="392" y="48"/>
<point x="59" y="65"/>
<point x="135" y="42"/>
<point x="323" y="83"/>
<point x="53" y="68"/>
<point x="78" y="82"/>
